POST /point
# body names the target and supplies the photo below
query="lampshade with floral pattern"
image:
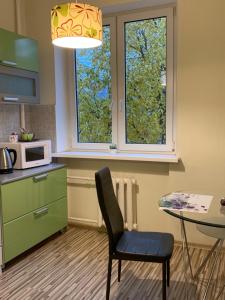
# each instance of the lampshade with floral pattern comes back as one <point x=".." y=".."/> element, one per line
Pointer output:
<point x="76" y="25"/>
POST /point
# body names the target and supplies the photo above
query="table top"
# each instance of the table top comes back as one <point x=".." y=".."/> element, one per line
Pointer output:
<point x="195" y="208"/>
<point x="214" y="217"/>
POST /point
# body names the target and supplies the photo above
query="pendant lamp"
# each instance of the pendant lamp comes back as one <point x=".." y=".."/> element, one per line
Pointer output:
<point x="76" y="25"/>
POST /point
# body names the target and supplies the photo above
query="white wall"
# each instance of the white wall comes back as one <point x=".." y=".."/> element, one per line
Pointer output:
<point x="200" y="111"/>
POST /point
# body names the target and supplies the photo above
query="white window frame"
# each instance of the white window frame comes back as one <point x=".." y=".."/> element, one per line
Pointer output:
<point x="118" y="87"/>
<point x="111" y="21"/>
<point x="168" y="13"/>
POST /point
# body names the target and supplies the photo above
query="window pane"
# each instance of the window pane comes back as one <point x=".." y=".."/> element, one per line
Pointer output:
<point x="145" y="87"/>
<point x="93" y="92"/>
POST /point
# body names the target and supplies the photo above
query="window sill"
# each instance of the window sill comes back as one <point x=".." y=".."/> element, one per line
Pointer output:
<point x="169" y="158"/>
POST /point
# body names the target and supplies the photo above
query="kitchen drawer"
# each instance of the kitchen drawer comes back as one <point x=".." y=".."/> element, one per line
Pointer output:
<point x="52" y="187"/>
<point x="24" y="232"/>
<point x="23" y="196"/>
<point x="19" y="198"/>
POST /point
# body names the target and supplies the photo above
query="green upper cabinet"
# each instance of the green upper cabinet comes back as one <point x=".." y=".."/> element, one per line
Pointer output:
<point x="26" y="50"/>
<point x="7" y="47"/>
<point x="18" y="51"/>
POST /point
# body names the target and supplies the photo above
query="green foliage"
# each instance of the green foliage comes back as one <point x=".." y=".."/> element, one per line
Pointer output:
<point x="145" y="95"/>
<point x="94" y="106"/>
<point x="145" y="67"/>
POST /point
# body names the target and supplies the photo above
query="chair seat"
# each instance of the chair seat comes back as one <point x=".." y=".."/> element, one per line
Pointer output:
<point x="145" y="246"/>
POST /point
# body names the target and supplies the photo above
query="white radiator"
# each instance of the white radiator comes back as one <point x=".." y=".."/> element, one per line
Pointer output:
<point x="125" y="191"/>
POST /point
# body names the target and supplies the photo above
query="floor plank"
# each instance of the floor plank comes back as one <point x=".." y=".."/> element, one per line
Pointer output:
<point x="73" y="265"/>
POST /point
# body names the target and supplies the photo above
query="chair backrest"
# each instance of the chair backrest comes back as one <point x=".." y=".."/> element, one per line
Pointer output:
<point x="109" y="207"/>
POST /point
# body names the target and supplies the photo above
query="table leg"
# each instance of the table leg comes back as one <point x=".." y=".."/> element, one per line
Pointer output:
<point x="216" y="249"/>
<point x="185" y="249"/>
<point x="184" y="270"/>
<point x="206" y="259"/>
<point x="220" y="292"/>
<point x="185" y="243"/>
<point x="213" y="268"/>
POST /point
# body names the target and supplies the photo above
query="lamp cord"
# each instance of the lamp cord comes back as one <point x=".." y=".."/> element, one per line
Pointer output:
<point x="76" y="1"/>
<point x="71" y="2"/>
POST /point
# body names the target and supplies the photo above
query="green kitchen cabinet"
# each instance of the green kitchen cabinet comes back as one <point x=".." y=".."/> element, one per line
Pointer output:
<point x="23" y="196"/>
<point x="52" y="187"/>
<point x="26" y="53"/>
<point x="32" y="209"/>
<point x="7" y="47"/>
<point x="19" y="77"/>
<point x="18" y="198"/>
<point x="18" y="51"/>
<point x="26" y="231"/>
<point x="19" y="85"/>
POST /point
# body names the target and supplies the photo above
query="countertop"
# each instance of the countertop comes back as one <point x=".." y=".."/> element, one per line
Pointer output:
<point x="21" y="174"/>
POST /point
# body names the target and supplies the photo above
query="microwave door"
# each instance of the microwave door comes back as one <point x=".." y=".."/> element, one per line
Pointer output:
<point x="34" y="154"/>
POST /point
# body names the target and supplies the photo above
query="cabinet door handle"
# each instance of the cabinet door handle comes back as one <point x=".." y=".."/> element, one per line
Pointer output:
<point x="41" y="212"/>
<point x="9" y="63"/>
<point x="40" y="177"/>
<point x="10" y="98"/>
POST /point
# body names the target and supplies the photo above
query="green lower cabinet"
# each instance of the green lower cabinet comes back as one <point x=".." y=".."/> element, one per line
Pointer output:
<point x="32" y="228"/>
<point x="53" y="187"/>
<point x="19" y="198"/>
<point x="24" y="196"/>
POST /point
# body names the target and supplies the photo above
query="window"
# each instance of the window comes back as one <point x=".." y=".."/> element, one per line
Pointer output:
<point x="124" y="89"/>
<point x="93" y="93"/>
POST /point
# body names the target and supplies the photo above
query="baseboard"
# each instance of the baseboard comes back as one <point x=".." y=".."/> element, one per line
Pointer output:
<point x="88" y="223"/>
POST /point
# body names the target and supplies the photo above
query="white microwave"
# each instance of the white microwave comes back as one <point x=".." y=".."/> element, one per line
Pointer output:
<point x="31" y="154"/>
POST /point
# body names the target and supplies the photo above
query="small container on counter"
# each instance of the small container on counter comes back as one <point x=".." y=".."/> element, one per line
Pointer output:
<point x="13" y="138"/>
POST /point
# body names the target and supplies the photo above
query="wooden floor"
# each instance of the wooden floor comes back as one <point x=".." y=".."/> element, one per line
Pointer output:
<point x="73" y="266"/>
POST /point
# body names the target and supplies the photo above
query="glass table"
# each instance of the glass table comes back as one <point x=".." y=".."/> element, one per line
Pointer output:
<point x="211" y="224"/>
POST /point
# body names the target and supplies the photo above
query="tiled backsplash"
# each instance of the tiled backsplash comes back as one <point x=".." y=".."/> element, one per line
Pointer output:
<point x="39" y="119"/>
<point x="9" y="120"/>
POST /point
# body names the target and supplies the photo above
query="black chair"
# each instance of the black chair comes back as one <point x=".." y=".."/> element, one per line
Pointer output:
<point x="130" y="245"/>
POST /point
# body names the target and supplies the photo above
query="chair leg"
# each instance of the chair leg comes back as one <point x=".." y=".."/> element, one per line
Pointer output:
<point x="168" y="272"/>
<point x="164" y="280"/>
<point x="119" y="269"/>
<point x="109" y="278"/>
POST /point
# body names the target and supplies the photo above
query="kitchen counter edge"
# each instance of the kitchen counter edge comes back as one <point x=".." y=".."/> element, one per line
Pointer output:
<point x="22" y="174"/>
